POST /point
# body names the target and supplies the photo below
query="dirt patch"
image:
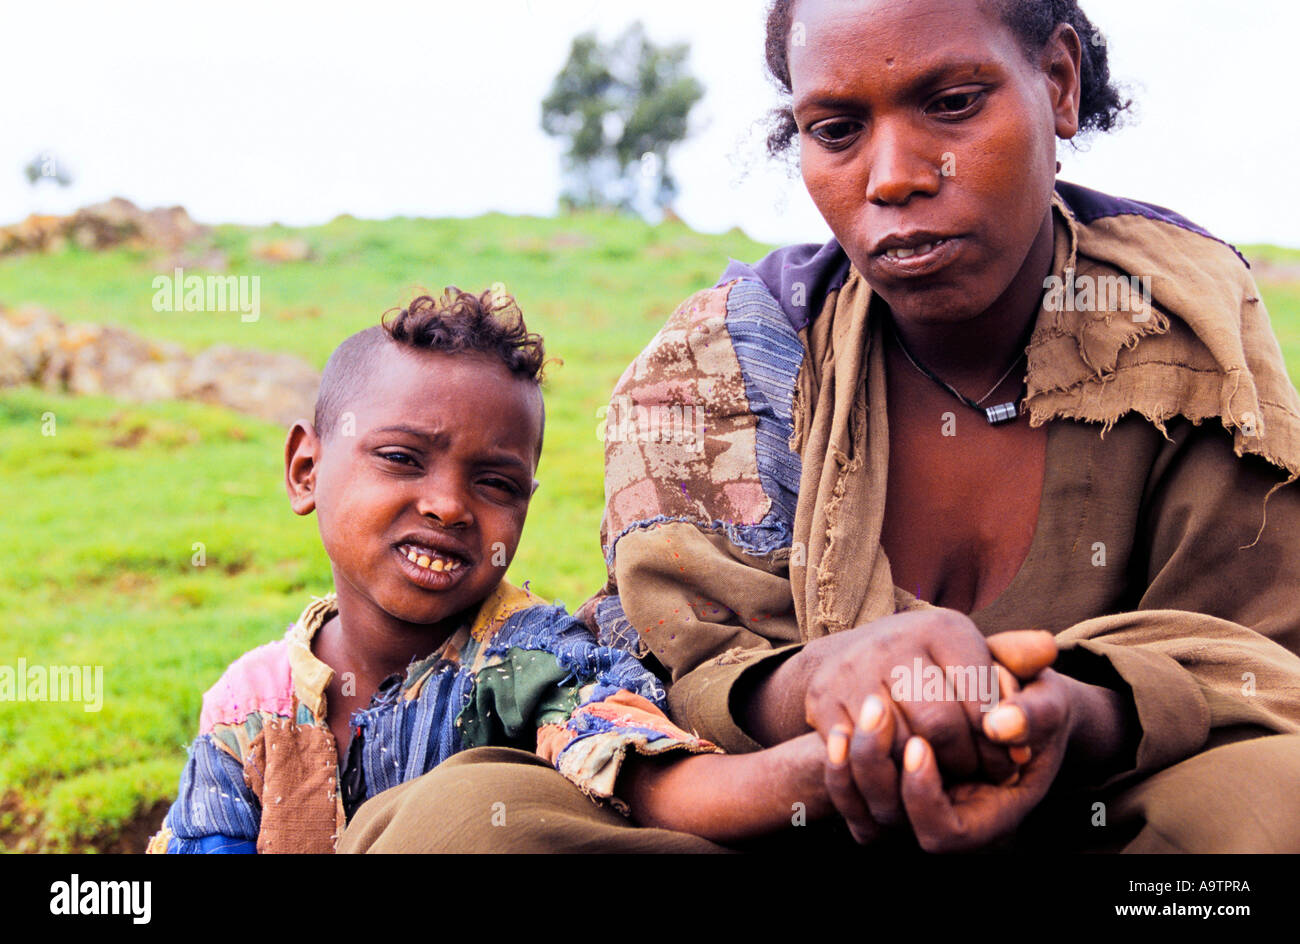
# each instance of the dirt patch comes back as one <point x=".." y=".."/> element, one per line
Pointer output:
<point x="134" y="582"/>
<point x="132" y="438"/>
<point x="135" y="833"/>
<point x="19" y="834"/>
<point x="15" y="833"/>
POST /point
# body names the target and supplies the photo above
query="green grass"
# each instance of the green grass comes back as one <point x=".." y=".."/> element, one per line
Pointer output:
<point x="101" y="519"/>
<point x="1276" y="254"/>
<point x="1278" y="270"/>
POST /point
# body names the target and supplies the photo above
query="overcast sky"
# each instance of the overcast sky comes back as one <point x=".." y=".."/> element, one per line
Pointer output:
<point x="296" y="112"/>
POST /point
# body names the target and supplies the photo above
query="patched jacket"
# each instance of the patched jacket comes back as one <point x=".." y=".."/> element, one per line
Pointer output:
<point x="264" y="776"/>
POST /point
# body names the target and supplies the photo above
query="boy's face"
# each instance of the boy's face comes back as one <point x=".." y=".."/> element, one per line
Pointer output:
<point x="436" y="464"/>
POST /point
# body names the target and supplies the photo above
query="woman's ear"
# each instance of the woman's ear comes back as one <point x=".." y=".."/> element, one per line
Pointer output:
<point x="1061" y="61"/>
<point x="302" y="451"/>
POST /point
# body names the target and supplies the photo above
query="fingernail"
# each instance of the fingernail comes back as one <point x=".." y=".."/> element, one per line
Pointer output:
<point x="914" y="755"/>
<point x="1021" y="755"/>
<point x="837" y="746"/>
<point x="873" y="711"/>
<point x="1007" y="684"/>
<point x="1006" y="722"/>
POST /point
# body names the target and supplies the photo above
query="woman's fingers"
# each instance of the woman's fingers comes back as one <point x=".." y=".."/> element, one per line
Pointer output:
<point x="965" y="673"/>
<point x="873" y="769"/>
<point x="843" y="792"/>
<point x="939" y="702"/>
<point x="1007" y="724"/>
<point x="969" y="819"/>
<point x="1008" y="685"/>
<point x="1032" y="716"/>
<point x="1026" y="652"/>
<point x="935" y="823"/>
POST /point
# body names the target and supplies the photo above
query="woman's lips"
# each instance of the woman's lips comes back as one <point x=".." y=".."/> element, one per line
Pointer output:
<point x="917" y="261"/>
<point x="430" y="574"/>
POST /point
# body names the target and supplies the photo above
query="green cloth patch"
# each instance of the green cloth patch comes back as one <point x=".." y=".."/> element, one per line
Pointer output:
<point x="515" y="697"/>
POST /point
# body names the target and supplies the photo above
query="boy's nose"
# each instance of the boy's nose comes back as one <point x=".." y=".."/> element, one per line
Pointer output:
<point x="447" y="505"/>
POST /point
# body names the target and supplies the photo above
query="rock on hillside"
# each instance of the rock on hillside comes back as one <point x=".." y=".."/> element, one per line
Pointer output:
<point x="37" y="347"/>
<point x="101" y="226"/>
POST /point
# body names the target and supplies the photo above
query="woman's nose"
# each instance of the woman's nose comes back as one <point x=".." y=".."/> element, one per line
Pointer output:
<point x="898" y="168"/>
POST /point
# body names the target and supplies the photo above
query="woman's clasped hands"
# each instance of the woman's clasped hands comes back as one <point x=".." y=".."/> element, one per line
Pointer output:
<point x="930" y="725"/>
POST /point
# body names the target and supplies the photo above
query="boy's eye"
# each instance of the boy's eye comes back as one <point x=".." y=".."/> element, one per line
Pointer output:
<point x="502" y="485"/>
<point x="398" y="457"/>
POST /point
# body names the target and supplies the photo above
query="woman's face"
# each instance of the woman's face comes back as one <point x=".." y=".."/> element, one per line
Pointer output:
<point x="928" y="142"/>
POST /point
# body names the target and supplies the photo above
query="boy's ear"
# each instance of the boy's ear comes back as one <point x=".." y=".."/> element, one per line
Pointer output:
<point x="302" y="451"/>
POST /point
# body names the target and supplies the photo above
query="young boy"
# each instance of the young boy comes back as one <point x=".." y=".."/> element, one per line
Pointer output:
<point x="419" y="466"/>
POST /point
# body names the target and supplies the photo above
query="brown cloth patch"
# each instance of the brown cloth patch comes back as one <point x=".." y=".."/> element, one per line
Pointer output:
<point x="292" y="770"/>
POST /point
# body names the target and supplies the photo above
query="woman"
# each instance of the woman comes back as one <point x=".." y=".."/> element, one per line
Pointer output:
<point x="993" y="403"/>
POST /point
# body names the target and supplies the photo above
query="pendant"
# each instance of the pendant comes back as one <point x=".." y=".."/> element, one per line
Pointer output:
<point x="1002" y="412"/>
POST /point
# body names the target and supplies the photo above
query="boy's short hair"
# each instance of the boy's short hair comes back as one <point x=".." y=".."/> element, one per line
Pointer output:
<point x="459" y="322"/>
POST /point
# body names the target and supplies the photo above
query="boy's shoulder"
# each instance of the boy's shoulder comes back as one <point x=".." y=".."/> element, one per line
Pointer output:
<point x="505" y="600"/>
<point x="262" y="680"/>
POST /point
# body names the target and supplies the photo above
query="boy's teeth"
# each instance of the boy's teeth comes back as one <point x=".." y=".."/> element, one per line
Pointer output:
<point x="440" y="564"/>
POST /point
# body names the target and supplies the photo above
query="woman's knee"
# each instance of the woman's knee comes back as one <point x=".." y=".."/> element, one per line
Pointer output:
<point x="485" y="800"/>
<point x="1238" y="797"/>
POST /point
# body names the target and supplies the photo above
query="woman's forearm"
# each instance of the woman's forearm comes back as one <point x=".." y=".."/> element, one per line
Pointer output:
<point x="1102" y="731"/>
<point x="730" y="797"/>
<point x="771" y="710"/>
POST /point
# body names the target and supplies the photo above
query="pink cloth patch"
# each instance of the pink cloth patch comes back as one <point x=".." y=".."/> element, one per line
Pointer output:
<point x="259" y="680"/>
<point x="748" y="502"/>
<point x="713" y="309"/>
<point x="636" y="502"/>
<point x="664" y="392"/>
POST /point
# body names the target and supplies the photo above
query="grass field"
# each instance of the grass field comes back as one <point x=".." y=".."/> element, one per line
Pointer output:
<point x="101" y="520"/>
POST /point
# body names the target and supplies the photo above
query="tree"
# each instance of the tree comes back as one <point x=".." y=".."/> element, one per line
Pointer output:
<point x="622" y="107"/>
<point x="44" y="167"/>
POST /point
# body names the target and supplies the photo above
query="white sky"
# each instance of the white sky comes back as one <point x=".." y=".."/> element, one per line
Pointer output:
<point x="296" y="112"/>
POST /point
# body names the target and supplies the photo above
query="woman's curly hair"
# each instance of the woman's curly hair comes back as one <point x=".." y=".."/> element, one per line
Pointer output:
<point x="1033" y="22"/>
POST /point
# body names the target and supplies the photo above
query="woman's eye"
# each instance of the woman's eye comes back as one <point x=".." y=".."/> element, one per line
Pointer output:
<point x="835" y="132"/>
<point x="958" y="103"/>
